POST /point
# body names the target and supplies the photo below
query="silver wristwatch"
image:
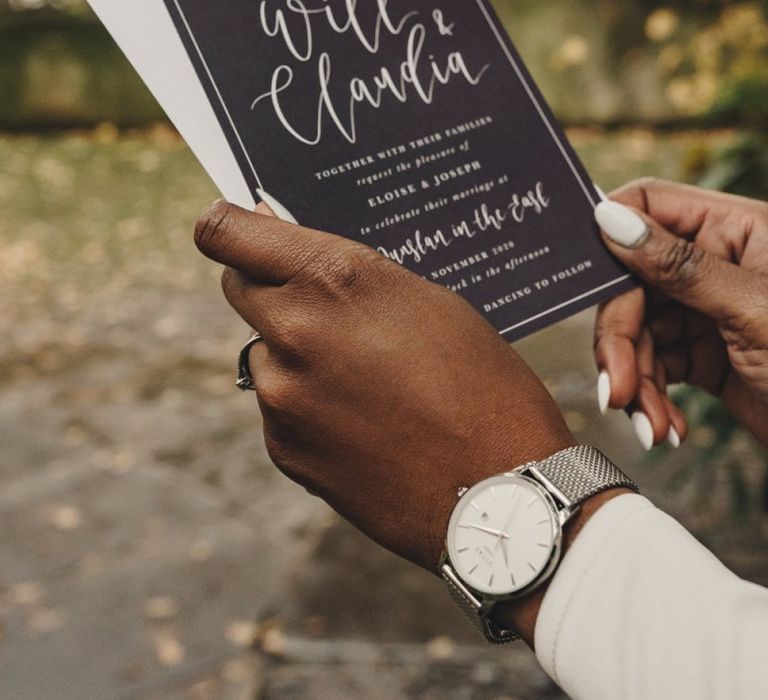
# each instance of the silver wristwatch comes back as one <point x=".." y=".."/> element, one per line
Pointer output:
<point x="504" y="537"/>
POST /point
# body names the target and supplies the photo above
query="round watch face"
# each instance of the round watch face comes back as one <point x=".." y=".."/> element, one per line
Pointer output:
<point x="502" y="535"/>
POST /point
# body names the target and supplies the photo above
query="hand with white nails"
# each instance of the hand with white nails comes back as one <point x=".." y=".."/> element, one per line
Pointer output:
<point x="701" y="316"/>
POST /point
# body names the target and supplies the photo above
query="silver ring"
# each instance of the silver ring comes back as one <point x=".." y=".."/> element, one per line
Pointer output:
<point x="244" y="377"/>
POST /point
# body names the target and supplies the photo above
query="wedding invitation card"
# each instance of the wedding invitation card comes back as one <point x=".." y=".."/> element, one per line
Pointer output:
<point x="411" y="127"/>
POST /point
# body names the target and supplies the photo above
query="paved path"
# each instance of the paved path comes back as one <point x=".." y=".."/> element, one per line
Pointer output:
<point x="150" y="550"/>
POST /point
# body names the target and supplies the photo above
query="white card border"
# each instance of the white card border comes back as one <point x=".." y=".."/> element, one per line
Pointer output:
<point x="531" y="95"/>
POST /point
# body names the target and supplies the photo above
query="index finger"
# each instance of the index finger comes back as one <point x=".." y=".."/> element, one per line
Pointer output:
<point x="264" y="248"/>
<point x="715" y="219"/>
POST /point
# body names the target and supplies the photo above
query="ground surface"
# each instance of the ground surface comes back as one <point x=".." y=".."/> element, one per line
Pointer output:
<point x="149" y="550"/>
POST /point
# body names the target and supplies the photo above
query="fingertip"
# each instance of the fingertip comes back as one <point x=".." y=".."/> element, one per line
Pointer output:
<point x="211" y="223"/>
<point x="652" y="404"/>
<point x="622" y="225"/>
<point x="643" y="430"/>
<point x="677" y="419"/>
<point x="603" y="391"/>
<point x="673" y="438"/>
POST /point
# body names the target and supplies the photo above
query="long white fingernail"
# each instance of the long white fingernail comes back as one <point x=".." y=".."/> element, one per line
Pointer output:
<point x="643" y="429"/>
<point x="603" y="391"/>
<point x="621" y="224"/>
<point x="281" y="212"/>
<point x="673" y="438"/>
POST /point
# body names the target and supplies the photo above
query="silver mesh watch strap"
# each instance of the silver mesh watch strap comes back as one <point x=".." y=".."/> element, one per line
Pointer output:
<point x="474" y="610"/>
<point x="571" y="476"/>
<point x="578" y="473"/>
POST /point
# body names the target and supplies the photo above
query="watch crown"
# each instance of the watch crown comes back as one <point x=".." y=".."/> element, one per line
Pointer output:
<point x="462" y="491"/>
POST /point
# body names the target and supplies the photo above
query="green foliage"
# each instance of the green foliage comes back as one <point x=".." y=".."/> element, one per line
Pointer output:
<point x="741" y="169"/>
<point x="720" y="451"/>
<point x="744" y="102"/>
<point x="716" y="65"/>
<point x="734" y="46"/>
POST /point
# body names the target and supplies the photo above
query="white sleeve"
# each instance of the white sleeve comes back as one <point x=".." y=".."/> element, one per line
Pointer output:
<point x="640" y="609"/>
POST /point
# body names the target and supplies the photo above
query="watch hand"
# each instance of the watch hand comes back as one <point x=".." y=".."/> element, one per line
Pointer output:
<point x="504" y="554"/>
<point x="508" y="523"/>
<point x="503" y="532"/>
<point x="489" y="531"/>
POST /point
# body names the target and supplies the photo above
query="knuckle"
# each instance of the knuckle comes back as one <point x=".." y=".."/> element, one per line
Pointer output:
<point x="647" y="182"/>
<point x="605" y="323"/>
<point x="211" y="224"/>
<point x="274" y="393"/>
<point x="346" y="268"/>
<point x="679" y="264"/>
<point x="293" y="332"/>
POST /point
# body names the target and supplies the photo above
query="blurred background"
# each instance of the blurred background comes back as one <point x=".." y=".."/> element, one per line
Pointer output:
<point x="148" y="550"/>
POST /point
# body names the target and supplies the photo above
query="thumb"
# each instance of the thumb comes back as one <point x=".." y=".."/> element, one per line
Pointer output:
<point x="679" y="268"/>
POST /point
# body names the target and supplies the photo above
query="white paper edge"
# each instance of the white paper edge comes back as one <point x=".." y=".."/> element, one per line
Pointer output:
<point x="146" y="34"/>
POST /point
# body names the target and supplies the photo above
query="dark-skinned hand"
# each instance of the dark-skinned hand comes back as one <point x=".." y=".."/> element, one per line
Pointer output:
<point x="381" y="392"/>
<point x="702" y="315"/>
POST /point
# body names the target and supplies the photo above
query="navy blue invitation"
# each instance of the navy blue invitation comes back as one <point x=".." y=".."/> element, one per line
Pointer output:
<point x="414" y="128"/>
